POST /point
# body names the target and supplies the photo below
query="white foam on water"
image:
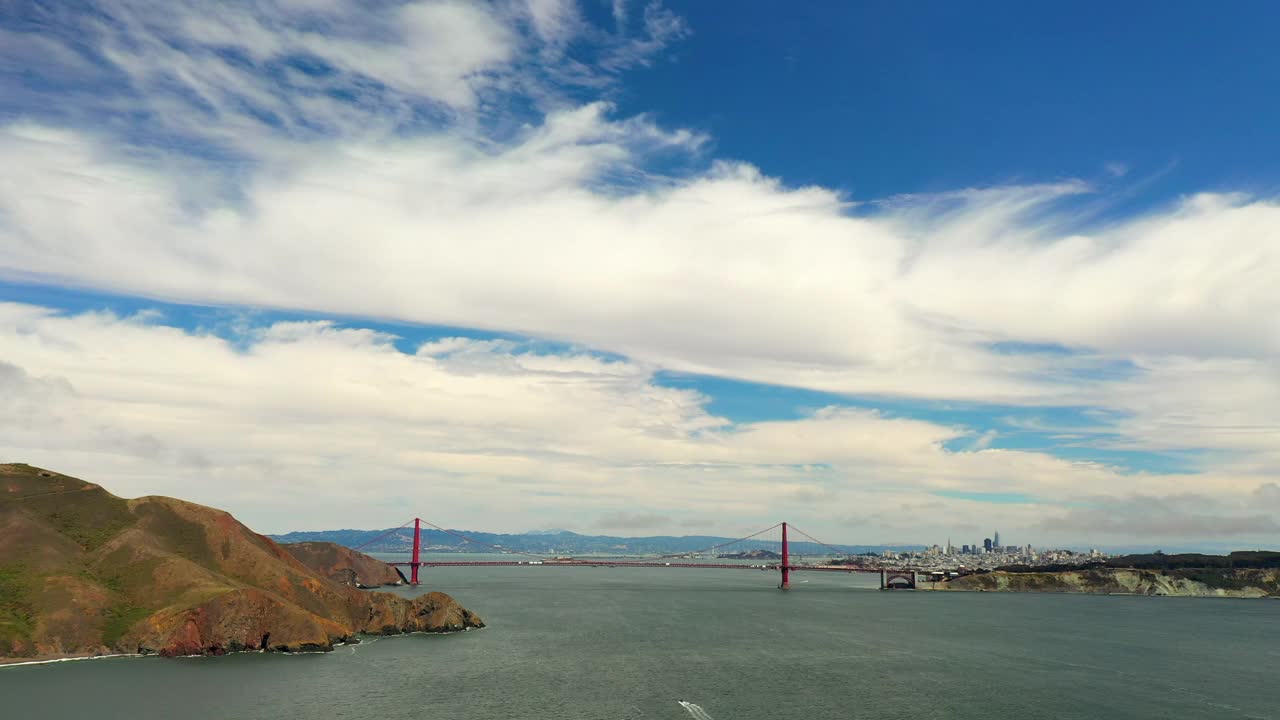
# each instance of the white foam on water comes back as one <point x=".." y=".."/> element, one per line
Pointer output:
<point x="695" y="710"/>
<point x="80" y="658"/>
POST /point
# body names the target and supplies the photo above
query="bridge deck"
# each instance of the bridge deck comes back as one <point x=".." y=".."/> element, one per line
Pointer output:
<point x="628" y="563"/>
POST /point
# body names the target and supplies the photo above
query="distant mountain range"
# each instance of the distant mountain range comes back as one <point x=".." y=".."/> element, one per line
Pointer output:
<point x="559" y="542"/>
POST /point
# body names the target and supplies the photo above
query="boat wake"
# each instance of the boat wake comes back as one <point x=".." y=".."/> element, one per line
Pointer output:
<point x="695" y="710"/>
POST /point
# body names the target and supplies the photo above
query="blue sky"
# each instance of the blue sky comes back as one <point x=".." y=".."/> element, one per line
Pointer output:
<point x="880" y="100"/>
<point x="857" y="263"/>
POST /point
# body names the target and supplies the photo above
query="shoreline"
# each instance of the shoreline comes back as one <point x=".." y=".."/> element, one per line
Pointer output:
<point x="921" y="587"/>
<point x="22" y="662"/>
<point x="361" y="639"/>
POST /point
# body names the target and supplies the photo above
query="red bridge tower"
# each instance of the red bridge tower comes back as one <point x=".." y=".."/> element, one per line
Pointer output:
<point x="786" y="562"/>
<point x="417" y="547"/>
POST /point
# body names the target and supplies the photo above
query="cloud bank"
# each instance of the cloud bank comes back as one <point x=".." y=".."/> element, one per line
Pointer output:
<point x="460" y="164"/>
<point x="320" y="425"/>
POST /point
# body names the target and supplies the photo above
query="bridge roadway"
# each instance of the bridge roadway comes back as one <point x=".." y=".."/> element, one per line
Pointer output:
<point x="888" y="578"/>
<point x="650" y="564"/>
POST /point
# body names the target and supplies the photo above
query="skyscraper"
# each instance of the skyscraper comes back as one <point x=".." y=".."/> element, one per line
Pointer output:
<point x="986" y="544"/>
<point x="996" y="540"/>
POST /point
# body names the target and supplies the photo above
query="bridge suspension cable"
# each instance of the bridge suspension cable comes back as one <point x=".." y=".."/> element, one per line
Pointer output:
<point x="378" y="537"/>
<point x="835" y="550"/>
<point x="721" y="545"/>
<point x="498" y="548"/>
<point x="511" y="551"/>
<point x="784" y="565"/>
<point x="491" y="546"/>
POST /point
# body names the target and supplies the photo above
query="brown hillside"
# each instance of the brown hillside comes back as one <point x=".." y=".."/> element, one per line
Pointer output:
<point x="83" y="572"/>
<point x="344" y="565"/>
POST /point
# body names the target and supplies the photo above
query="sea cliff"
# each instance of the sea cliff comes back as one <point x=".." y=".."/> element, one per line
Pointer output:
<point x="83" y="573"/>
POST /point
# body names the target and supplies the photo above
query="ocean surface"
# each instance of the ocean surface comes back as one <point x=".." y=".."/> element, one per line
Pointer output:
<point x="673" y="644"/>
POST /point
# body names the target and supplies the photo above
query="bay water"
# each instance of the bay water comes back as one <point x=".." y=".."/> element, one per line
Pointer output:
<point x="674" y="643"/>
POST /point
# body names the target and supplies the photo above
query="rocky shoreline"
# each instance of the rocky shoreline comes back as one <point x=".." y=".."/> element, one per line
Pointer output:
<point x="1237" y="583"/>
<point x="8" y="662"/>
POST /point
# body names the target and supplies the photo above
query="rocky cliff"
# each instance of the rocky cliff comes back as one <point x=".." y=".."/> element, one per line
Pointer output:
<point x="1188" y="582"/>
<point x="83" y="572"/>
<point x="344" y="565"/>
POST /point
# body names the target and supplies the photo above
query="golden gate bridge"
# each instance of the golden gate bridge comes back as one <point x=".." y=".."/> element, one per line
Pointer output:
<point x="897" y="578"/>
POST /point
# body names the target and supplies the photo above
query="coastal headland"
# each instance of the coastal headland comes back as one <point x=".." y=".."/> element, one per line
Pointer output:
<point x="86" y="573"/>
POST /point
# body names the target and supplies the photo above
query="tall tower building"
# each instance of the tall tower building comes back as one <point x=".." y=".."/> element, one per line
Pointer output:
<point x="995" y="540"/>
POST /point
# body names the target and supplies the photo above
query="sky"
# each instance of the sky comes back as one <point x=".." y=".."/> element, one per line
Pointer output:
<point x="894" y="274"/>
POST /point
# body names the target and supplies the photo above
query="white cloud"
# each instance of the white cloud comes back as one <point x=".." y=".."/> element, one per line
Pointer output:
<point x="242" y="75"/>
<point x="310" y="425"/>
<point x="1176" y="517"/>
<point x="727" y="272"/>
<point x="312" y="155"/>
<point x="563" y="232"/>
<point x="632" y="521"/>
<point x="555" y="21"/>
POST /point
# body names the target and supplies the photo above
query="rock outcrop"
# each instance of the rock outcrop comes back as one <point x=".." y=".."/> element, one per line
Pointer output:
<point x="1187" y="582"/>
<point x="344" y="565"/>
<point x="83" y="572"/>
